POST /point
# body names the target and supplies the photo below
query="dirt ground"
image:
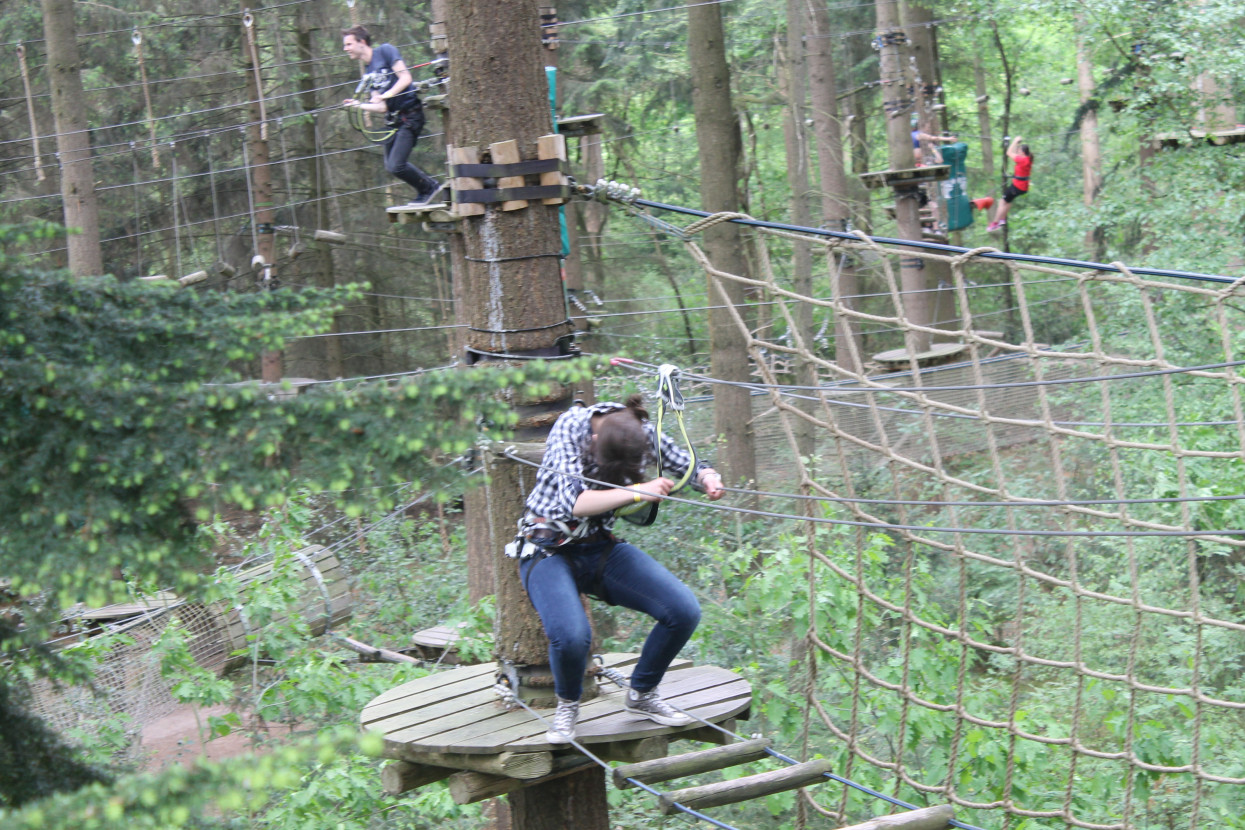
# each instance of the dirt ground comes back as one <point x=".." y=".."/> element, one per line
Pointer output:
<point x="174" y="739"/>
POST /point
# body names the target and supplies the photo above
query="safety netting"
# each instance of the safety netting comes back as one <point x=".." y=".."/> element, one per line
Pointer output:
<point x="1022" y="484"/>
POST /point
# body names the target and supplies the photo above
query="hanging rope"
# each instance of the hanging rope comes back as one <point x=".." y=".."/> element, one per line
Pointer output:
<point x="30" y="111"/>
<point x="289" y="185"/>
<point x="248" y="22"/>
<point x="137" y="38"/>
<point x="220" y="249"/>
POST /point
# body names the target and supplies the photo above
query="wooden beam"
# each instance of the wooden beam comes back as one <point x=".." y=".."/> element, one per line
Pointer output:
<point x="690" y="763"/>
<point x="401" y="776"/>
<point x="469" y="787"/>
<point x="642" y="749"/>
<point x="466" y="155"/>
<point x="707" y="734"/>
<point x="377" y="654"/>
<point x="552" y="147"/>
<point x="746" y="789"/>
<point x="509" y="764"/>
<point x="926" y="818"/>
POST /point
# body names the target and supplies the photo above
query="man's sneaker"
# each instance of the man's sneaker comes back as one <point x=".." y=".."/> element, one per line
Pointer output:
<point x="651" y="706"/>
<point x="429" y="198"/>
<point x="562" y="728"/>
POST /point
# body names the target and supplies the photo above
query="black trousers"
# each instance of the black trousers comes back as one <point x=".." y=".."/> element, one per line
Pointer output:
<point x="398" y="150"/>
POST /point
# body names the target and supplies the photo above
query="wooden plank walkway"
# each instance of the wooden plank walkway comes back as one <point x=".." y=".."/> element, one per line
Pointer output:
<point x="458" y="711"/>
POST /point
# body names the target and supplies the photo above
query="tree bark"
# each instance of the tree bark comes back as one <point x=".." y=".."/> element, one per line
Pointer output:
<point x="1091" y="153"/>
<point x="73" y="139"/>
<point x="983" y="126"/>
<point x="260" y="177"/>
<point x="836" y="201"/>
<point x="720" y="150"/>
<point x="916" y="306"/>
<point x="575" y="801"/>
<point x="795" y="139"/>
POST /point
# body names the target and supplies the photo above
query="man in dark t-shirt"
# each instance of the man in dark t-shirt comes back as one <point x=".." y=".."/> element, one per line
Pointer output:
<point x="391" y="93"/>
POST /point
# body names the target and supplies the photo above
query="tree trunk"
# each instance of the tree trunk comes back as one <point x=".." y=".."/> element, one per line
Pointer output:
<point x="927" y="94"/>
<point x="1091" y="153"/>
<point x="795" y="138"/>
<point x="511" y="286"/>
<point x="720" y="151"/>
<point x="836" y="201"/>
<point x="73" y="139"/>
<point x="572" y="802"/>
<point x="916" y="306"/>
<point x="260" y="177"/>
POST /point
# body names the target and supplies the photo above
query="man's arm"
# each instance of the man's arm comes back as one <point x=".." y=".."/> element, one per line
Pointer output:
<point x="404" y="79"/>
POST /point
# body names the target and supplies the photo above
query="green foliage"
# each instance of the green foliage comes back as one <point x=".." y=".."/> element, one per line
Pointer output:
<point x="123" y="429"/>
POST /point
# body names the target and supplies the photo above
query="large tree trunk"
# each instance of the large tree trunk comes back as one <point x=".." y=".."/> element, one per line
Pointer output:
<point x="983" y="125"/>
<point x="836" y="202"/>
<point x="916" y="302"/>
<point x="720" y="150"/>
<point x="73" y="139"/>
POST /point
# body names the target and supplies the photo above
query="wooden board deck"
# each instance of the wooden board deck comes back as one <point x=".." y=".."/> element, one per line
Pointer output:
<point x="458" y="711"/>
<point x="907" y="177"/>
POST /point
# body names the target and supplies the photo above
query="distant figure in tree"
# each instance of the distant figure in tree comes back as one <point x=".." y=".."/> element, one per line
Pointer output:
<point x="918" y="151"/>
<point x="1022" y="158"/>
<point x="569" y="548"/>
<point x="391" y="94"/>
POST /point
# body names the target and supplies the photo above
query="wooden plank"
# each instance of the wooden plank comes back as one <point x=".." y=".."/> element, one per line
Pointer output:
<point x="748" y="788"/>
<point x="401" y="776"/>
<point x="507" y="152"/>
<point x="690" y="763"/>
<point x="552" y="147"/>
<point x="926" y="818"/>
<point x="440" y="636"/>
<point x="465" y="155"/>
<point x="411" y="709"/>
<point x="433" y="681"/>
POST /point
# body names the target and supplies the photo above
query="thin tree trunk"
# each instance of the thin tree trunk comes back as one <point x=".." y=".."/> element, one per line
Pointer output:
<point x="836" y="201"/>
<point x="1091" y="153"/>
<point x="260" y="177"/>
<point x="720" y="152"/>
<point x="73" y="139"/>
<point x="983" y="126"/>
<point x="893" y="59"/>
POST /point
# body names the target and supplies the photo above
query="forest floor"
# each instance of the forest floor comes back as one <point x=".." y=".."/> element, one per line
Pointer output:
<point x="175" y="739"/>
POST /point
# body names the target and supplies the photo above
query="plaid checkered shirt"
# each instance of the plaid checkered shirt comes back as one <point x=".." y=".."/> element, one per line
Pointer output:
<point x="567" y="457"/>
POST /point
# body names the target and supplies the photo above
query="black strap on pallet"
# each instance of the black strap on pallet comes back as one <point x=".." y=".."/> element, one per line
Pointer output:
<point x="516" y="168"/>
<point x="508" y="194"/>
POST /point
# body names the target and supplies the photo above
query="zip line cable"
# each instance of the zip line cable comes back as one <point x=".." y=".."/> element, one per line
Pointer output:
<point x="949" y="249"/>
<point x="883" y="526"/>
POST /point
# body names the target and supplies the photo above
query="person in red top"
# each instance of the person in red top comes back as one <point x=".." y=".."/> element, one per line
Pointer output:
<point x="1022" y="158"/>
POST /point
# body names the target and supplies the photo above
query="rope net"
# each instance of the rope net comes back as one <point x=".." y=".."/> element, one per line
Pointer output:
<point x="1024" y="547"/>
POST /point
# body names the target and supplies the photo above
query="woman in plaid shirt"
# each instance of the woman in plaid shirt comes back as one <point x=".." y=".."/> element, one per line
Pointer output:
<point x="573" y="551"/>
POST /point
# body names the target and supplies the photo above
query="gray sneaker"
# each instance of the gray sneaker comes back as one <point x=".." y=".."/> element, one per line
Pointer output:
<point x="562" y="728"/>
<point x="651" y="706"/>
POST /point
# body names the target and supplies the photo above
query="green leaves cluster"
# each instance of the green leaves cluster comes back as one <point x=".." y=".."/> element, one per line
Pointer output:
<point x="125" y="421"/>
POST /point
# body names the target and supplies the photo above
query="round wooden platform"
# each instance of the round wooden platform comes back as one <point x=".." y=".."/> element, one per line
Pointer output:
<point x="458" y="711"/>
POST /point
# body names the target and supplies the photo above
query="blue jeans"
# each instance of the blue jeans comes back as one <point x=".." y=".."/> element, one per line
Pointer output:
<point x="630" y="578"/>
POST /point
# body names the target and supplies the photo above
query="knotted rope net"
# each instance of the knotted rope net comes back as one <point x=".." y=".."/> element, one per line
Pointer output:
<point x="1025" y="565"/>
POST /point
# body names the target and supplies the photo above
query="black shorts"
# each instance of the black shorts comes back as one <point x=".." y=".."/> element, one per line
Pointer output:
<point x="1011" y="192"/>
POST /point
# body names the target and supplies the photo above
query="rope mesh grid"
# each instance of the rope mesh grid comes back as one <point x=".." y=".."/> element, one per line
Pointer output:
<point x="1013" y="671"/>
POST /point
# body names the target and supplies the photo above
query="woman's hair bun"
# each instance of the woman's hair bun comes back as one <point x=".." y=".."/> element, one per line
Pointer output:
<point x="635" y="402"/>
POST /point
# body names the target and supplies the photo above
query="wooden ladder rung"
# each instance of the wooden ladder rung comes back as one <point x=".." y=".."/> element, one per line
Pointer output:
<point x="926" y="818"/>
<point x="690" y="763"/>
<point x="748" y="788"/>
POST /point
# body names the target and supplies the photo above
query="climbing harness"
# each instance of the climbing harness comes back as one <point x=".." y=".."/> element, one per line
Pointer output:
<point x="377" y="81"/>
<point x="644" y="513"/>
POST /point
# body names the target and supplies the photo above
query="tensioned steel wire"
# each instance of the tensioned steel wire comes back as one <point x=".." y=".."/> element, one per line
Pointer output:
<point x="1084" y="610"/>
